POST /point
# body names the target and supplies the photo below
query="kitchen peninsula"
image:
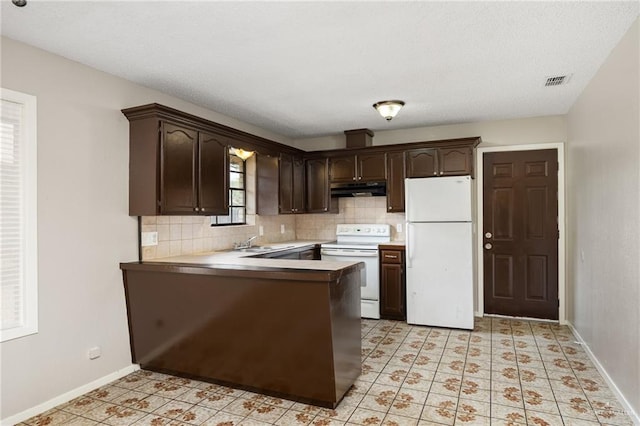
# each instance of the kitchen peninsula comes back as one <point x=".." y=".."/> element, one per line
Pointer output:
<point x="288" y="328"/>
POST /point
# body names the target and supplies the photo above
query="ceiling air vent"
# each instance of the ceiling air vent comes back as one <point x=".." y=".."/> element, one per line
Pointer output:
<point x="557" y="80"/>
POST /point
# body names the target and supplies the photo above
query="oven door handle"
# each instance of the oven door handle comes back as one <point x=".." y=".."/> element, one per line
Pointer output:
<point x="349" y="253"/>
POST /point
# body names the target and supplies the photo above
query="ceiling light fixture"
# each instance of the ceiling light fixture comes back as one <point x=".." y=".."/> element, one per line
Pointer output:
<point x="388" y="109"/>
<point x="239" y="152"/>
<point x="19" y="3"/>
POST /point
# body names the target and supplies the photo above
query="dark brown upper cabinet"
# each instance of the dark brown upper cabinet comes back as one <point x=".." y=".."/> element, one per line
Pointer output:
<point x="422" y="162"/>
<point x="193" y="172"/>
<point x="213" y="174"/>
<point x="395" y="182"/>
<point x="178" y="163"/>
<point x="434" y="162"/>
<point x="292" y="184"/>
<point x="176" y="170"/>
<point x="456" y="161"/>
<point x="342" y="169"/>
<point x="359" y="167"/>
<point x="317" y="185"/>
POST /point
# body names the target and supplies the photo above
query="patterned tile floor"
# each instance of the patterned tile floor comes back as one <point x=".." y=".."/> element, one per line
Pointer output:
<point x="505" y="372"/>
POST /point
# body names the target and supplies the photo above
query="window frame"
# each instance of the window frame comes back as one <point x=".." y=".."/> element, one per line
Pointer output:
<point x="215" y="219"/>
<point x="29" y="171"/>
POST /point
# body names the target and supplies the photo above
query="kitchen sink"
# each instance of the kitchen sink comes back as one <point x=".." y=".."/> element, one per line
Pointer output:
<point x="255" y="249"/>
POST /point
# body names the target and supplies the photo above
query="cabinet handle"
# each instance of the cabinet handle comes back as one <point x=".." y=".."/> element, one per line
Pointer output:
<point x="202" y="209"/>
<point x="389" y="208"/>
<point x="195" y="209"/>
<point x="390" y="257"/>
<point x="354" y="178"/>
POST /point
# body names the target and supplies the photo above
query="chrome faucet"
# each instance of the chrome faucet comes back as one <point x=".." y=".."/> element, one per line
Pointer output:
<point x="244" y="244"/>
<point x="248" y="242"/>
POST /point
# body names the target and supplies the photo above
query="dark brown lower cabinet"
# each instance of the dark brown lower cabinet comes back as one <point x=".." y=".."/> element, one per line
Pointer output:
<point x="392" y="284"/>
<point x="283" y="332"/>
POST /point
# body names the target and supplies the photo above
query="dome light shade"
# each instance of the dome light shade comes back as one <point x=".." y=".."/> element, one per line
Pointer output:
<point x="388" y="109"/>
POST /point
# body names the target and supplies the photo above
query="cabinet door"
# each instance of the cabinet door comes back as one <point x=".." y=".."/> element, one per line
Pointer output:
<point x="286" y="184"/>
<point x="371" y="167"/>
<point x="343" y="169"/>
<point x="213" y="196"/>
<point x="391" y="291"/>
<point x="298" y="185"/>
<point x="178" y="187"/>
<point x="455" y="161"/>
<point x="422" y="162"/>
<point x="395" y="182"/>
<point x="317" y="185"/>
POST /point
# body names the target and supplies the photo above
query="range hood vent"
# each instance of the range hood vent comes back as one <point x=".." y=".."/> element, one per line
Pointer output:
<point x="359" y="189"/>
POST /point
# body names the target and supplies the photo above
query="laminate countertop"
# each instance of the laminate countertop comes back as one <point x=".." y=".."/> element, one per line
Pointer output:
<point x="239" y="260"/>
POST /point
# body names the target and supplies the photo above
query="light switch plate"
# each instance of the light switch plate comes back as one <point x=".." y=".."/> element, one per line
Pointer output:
<point x="261" y="230"/>
<point x="282" y="228"/>
<point x="399" y="228"/>
<point x="149" y="239"/>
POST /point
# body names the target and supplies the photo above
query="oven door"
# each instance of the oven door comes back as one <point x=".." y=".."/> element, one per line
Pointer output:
<point x="370" y="281"/>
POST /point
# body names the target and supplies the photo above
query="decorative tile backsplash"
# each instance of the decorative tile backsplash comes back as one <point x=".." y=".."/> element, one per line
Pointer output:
<point x="178" y="235"/>
<point x="194" y="234"/>
<point x="352" y="210"/>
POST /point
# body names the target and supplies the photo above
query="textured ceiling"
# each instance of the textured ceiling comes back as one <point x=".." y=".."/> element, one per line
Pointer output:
<point x="304" y="69"/>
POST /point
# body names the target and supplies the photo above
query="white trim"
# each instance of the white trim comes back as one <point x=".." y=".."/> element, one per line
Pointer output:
<point x="612" y="385"/>
<point x="30" y="171"/>
<point x="559" y="147"/>
<point x="68" y="396"/>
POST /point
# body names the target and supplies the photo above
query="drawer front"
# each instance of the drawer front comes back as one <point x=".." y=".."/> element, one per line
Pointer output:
<point x="391" y="256"/>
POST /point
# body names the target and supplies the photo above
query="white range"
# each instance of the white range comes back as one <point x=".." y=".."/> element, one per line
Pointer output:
<point x="359" y="243"/>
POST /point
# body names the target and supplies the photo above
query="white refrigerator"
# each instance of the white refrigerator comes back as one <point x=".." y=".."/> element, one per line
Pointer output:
<point x="439" y="246"/>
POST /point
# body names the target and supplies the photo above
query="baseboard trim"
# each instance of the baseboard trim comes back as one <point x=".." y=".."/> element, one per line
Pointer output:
<point x="619" y="395"/>
<point x="68" y="396"/>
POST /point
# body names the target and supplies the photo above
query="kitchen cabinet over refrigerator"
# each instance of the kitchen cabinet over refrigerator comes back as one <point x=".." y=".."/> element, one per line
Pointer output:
<point x="439" y="252"/>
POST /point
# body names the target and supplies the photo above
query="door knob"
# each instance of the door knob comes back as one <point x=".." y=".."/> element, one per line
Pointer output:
<point x="488" y="246"/>
<point x="488" y="235"/>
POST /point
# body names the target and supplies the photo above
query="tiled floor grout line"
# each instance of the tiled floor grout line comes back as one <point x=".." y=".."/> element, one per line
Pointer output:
<point x="546" y="371"/>
<point x="531" y="343"/>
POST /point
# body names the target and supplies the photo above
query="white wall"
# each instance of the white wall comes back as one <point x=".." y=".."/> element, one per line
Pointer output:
<point x="502" y="132"/>
<point x="84" y="230"/>
<point x="604" y="215"/>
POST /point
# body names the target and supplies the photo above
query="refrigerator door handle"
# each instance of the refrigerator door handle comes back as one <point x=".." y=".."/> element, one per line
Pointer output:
<point x="409" y="253"/>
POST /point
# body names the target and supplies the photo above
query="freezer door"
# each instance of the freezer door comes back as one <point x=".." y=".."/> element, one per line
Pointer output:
<point x="443" y="199"/>
<point x="440" y="274"/>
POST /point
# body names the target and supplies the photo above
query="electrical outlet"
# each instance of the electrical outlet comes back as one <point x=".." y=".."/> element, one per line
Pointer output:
<point x="149" y="239"/>
<point x="94" y="353"/>
<point x="261" y="230"/>
<point x="282" y="228"/>
<point x="399" y="228"/>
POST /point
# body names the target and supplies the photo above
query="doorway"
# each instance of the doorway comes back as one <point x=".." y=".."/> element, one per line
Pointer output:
<point x="519" y="233"/>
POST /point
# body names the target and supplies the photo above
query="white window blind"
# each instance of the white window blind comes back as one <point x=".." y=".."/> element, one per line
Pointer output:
<point x="18" y="263"/>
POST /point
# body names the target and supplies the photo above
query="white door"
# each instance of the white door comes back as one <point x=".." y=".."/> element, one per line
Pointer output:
<point x="443" y="199"/>
<point x="440" y="274"/>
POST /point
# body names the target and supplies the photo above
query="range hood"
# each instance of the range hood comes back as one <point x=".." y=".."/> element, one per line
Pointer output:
<point x="359" y="189"/>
